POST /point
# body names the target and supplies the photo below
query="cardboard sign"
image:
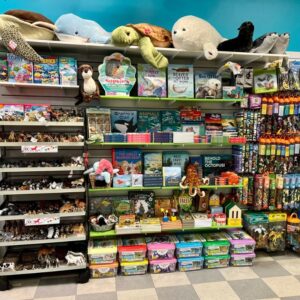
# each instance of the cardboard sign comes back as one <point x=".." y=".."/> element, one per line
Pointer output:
<point x="41" y="221"/>
<point x="39" y="149"/>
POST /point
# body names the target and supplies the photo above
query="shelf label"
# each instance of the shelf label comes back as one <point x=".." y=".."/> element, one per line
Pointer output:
<point x="39" y="149"/>
<point x="41" y="221"/>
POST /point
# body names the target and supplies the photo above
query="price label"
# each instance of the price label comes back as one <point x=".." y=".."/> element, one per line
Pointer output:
<point x="39" y="149"/>
<point x="41" y="221"/>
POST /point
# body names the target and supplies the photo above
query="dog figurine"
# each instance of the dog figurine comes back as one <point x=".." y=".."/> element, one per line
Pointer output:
<point x="89" y="89"/>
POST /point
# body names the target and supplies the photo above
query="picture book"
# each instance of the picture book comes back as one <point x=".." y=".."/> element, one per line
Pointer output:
<point x="46" y="72"/>
<point x="143" y="203"/>
<point x="229" y="126"/>
<point x="180" y="81"/>
<point x="213" y="124"/>
<point x="122" y="181"/>
<point x="151" y="81"/>
<point x="171" y="176"/>
<point x="137" y="180"/>
<point x="12" y="111"/>
<point x="68" y="70"/>
<point x="265" y="81"/>
<point x="36" y="112"/>
<point x="122" y="206"/>
<point x="103" y="205"/>
<point x="214" y="164"/>
<point x="123" y="121"/>
<point x="176" y="159"/>
<point x="148" y="121"/>
<point x="153" y="163"/>
<point x="191" y="128"/>
<point x="128" y="161"/>
<point x="163" y="202"/>
<point x="207" y="84"/>
<point x="3" y="69"/>
<point x="170" y="120"/>
<point x="19" y="69"/>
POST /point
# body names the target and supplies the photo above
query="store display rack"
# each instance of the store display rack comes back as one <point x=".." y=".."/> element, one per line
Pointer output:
<point x="42" y="192"/>
<point x="40" y="169"/>
<point x="42" y="124"/>
<point x="59" y="144"/>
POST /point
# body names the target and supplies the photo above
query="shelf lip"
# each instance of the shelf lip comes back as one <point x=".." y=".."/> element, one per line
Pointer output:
<point x="60" y="144"/>
<point x="40" y="169"/>
<point x="162" y="188"/>
<point x="46" y="270"/>
<point x="41" y="192"/>
<point x="41" y="216"/>
<point x="42" y="124"/>
<point x="166" y="144"/>
<point x="37" y="85"/>
<point x="44" y="241"/>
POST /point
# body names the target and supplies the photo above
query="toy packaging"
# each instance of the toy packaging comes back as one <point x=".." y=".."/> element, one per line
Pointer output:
<point x="201" y="220"/>
<point x="207" y="85"/>
<point x="46" y="72"/>
<point x="3" y="69"/>
<point x="238" y="260"/>
<point x="143" y="203"/>
<point x="19" y="69"/>
<point x="180" y="81"/>
<point x="162" y="265"/>
<point x="132" y="250"/>
<point x="12" y="111"/>
<point x="233" y="92"/>
<point x="98" y="120"/>
<point x="36" y="112"/>
<point x="103" y="204"/>
<point x="171" y="176"/>
<point x="241" y="242"/>
<point x="190" y="263"/>
<point x="151" y="81"/>
<point x="134" y="267"/>
<point x="68" y="70"/>
<point x="137" y="180"/>
<point x="148" y="121"/>
<point x="277" y="231"/>
<point x="265" y="81"/>
<point x="183" y="137"/>
<point x="128" y="161"/>
<point x="216" y="243"/>
<point x="102" y="251"/>
<point x="123" y="121"/>
<point x="216" y="261"/>
<point x="189" y="245"/>
<point x="104" y="270"/>
<point x="150" y="225"/>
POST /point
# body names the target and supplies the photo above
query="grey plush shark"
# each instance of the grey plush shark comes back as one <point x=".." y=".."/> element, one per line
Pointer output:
<point x="281" y="44"/>
<point x="265" y="43"/>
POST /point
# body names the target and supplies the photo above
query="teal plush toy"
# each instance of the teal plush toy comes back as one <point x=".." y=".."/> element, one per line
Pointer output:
<point x="70" y="27"/>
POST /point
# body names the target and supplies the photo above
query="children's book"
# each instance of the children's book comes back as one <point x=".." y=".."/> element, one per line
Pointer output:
<point x="191" y="128"/>
<point x="151" y="81"/>
<point x="171" y="176"/>
<point x="170" y="120"/>
<point x="19" y="69"/>
<point x="180" y="81"/>
<point x="3" y="69"/>
<point x="214" y="164"/>
<point x="148" y="121"/>
<point x="123" y="121"/>
<point x="229" y="126"/>
<point x="68" y="70"/>
<point x="207" y="84"/>
<point x="46" y="72"/>
<point x="176" y="159"/>
<point x="137" y="180"/>
<point x="36" y="112"/>
<point x="143" y="203"/>
<point x="128" y="161"/>
<point x="153" y="163"/>
<point x="213" y="124"/>
<point x="122" y="181"/>
<point x="103" y="205"/>
<point x="122" y="206"/>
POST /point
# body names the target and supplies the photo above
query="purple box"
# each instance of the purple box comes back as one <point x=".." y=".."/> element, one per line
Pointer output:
<point x="241" y="242"/>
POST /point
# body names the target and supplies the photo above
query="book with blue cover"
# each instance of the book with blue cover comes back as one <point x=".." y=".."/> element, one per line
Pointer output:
<point x="214" y="164"/>
<point x="123" y="121"/>
<point x="207" y="84"/>
<point x="128" y="161"/>
<point x="176" y="159"/>
<point x="170" y="120"/>
<point x="153" y="164"/>
<point x="149" y="121"/>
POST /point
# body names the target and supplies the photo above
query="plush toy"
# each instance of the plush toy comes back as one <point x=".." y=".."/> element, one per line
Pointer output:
<point x="194" y="34"/>
<point x="147" y="37"/>
<point x="265" y="43"/>
<point x="281" y="44"/>
<point x="71" y="27"/>
<point x="243" y="42"/>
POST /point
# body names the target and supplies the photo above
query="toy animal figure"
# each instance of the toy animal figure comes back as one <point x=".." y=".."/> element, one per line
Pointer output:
<point x="7" y="266"/>
<point x="45" y="252"/>
<point x="80" y="204"/>
<point x="192" y="181"/>
<point x="67" y="207"/>
<point x="11" y="138"/>
<point x="90" y="88"/>
<point x="75" y="258"/>
<point x="77" y="183"/>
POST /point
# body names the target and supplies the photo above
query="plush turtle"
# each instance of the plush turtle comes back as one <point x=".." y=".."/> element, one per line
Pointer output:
<point x="147" y="37"/>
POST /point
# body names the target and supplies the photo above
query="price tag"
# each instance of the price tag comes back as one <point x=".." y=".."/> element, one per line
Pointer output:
<point x="39" y="149"/>
<point x="41" y="221"/>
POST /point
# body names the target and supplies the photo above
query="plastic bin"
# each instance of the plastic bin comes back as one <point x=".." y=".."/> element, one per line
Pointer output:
<point x="162" y="265"/>
<point x="134" y="268"/>
<point x="190" y="263"/>
<point x="104" y="270"/>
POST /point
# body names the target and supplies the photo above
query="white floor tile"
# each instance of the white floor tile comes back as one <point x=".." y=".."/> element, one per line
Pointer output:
<point x="99" y="285"/>
<point x="241" y="273"/>
<point x="284" y="286"/>
<point x="143" y="294"/>
<point x="171" y="279"/>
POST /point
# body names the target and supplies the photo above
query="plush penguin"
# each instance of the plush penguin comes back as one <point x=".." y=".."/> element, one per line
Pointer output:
<point x="243" y="42"/>
<point x="281" y="44"/>
<point x="265" y="43"/>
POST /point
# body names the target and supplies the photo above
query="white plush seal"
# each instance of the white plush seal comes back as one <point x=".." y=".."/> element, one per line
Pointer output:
<point x="281" y="44"/>
<point x="194" y="34"/>
<point x="265" y="43"/>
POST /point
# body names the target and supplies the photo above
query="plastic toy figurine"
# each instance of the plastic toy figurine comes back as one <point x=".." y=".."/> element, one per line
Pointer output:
<point x="173" y="217"/>
<point x="165" y="217"/>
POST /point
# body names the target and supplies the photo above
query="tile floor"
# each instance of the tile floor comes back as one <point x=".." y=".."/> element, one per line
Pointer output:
<point x="272" y="277"/>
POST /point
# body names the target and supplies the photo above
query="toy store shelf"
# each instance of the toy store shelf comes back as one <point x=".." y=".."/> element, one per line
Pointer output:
<point x="41" y="216"/>
<point x="132" y="98"/>
<point x="41" y="169"/>
<point x="36" y="85"/>
<point x="92" y="48"/>
<point x="42" y="192"/>
<point x="81" y="237"/>
<point x="46" y="270"/>
<point x="39" y="124"/>
<point x="104" y="190"/>
<point x="59" y="144"/>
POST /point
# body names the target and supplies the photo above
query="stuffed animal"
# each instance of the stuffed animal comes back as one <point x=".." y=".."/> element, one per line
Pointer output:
<point x="70" y="27"/>
<point x="265" y="43"/>
<point x="90" y="88"/>
<point x="147" y="37"/>
<point x="243" y="42"/>
<point x="281" y="44"/>
<point x="194" y="34"/>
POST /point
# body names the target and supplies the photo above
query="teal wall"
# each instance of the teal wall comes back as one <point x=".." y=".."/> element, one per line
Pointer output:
<point x="225" y="15"/>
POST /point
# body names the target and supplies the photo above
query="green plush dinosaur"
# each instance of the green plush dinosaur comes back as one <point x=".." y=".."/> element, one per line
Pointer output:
<point x="147" y="37"/>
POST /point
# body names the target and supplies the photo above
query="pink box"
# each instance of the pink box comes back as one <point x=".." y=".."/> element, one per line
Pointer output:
<point x="163" y="265"/>
<point x="157" y="251"/>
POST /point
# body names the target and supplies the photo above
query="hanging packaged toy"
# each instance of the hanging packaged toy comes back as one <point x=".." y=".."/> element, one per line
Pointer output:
<point x="277" y="232"/>
<point x="293" y="232"/>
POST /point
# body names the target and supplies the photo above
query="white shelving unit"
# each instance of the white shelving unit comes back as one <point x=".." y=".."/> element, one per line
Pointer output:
<point x="41" y="124"/>
<point x="36" y="85"/>
<point x="40" y="169"/>
<point x="42" y="192"/>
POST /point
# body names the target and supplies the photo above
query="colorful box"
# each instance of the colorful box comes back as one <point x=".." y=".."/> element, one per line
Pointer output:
<point x="68" y="70"/>
<point x="104" y="270"/>
<point x="265" y="81"/>
<point x="241" y="242"/>
<point x="216" y="261"/>
<point x="102" y="251"/>
<point x="189" y="245"/>
<point x="233" y="92"/>
<point x="134" y="268"/>
<point x="216" y="243"/>
<point x="46" y="72"/>
<point x="19" y="69"/>
<point x="238" y="260"/>
<point x="162" y="266"/>
<point x="36" y="112"/>
<point x="160" y="251"/>
<point x="190" y="263"/>
<point x="132" y="250"/>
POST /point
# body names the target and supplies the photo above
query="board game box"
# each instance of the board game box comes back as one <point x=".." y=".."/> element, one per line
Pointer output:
<point x="176" y="159"/>
<point x="148" y="121"/>
<point x="153" y="164"/>
<point x="123" y="121"/>
<point x="151" y="81"/>
<point x="128" y="161"/>
<point x="68" y="70"/>
<point x="180" y="81"/>
<point x="143" y="203"/>
<point x="46" y="72"/>
<point x="207" y="84"/>
<point x="19" y="69"/>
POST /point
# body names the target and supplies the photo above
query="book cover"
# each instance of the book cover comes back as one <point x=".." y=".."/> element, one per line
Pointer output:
<point x="143" y="203"/>
<point x="207" y="84"/>
<point x="36" y="112"/>
<point x="19" y="69"/>
<point x="103" y="205"/>
<point x="233" y="92"/>
<point x="151" y="81"/>
<point x="171" y="176"/>
<point x="170" y="120"/>
<point x="3" y="69"/>
<point x="128" y="161"/>
<point x="137" y="180"/>
<point x="214" y="164"/>
<point x="123" y="121"/>
<point x="153" y="163"/>
<point x="122" y="181"/>
<point x="180" y="81"/>
<point x="148" y="121"/>
<point x="122" y="206"/>
<point x="46" y="72"/>
<point x="176" y="159"/>
<point x="191" y="128"/>
<point x="68" y="70"/>
<point x="229" y="126"/>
